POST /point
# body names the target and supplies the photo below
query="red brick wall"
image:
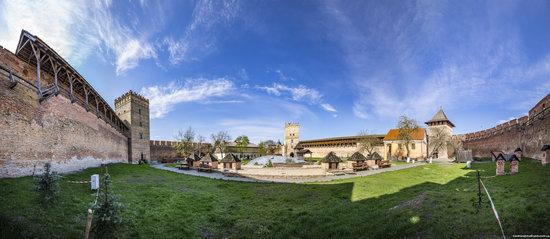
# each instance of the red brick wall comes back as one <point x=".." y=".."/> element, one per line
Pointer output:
<point x="529" y="133"/>
<point x="55" y="130"/>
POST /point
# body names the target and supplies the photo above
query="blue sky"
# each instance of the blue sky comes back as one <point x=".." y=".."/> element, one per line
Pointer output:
<point x="336" y="67"/>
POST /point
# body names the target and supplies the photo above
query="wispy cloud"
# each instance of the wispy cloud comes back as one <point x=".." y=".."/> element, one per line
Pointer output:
<point x="419" y="60"/>
<point x="163" y="98"/>
<point x="299" y="93"/>
<point x="328" y="107"/>
<point x="60" y="25"/>
<point x="114" y="37"/>
<point x="201" y="35"/>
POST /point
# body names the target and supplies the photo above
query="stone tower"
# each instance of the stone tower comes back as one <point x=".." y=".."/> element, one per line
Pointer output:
<point x="292" y="136"/>
<point x="133" y="109"/>
<point x="439" y="124"/>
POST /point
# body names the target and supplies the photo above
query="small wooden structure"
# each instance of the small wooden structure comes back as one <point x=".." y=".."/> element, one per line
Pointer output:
<point x="230" y="161"/>
<point x="185" y="164"/>
<point x="196" y="160"/>
<point x="500" y="164"/>
<point x="208" y="161"/>
<point x="331" y="161"/>
<point x="357" y="162"/>
<point x="300" y="153"/>
<point x="374" y="159"/>
<point x="514" y="163"/>
<point x="545" y="157"/>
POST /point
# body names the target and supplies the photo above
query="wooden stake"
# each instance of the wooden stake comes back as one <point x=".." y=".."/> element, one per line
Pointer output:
<point x="88" y="224"/>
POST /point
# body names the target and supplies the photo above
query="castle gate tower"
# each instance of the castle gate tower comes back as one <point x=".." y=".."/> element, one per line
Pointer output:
<point x="439" y="124"/>
<point x="133" y="109"/>
<point x="292" y="137"/>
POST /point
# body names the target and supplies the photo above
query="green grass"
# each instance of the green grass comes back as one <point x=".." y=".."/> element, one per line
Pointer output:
<point x="429" y="201"/>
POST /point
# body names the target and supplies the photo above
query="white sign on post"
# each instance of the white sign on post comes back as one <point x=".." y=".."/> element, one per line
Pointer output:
<point x="95" y="181"/>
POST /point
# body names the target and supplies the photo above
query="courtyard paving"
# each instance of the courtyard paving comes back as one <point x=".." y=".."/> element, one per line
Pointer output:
<point x="284" y="175"/>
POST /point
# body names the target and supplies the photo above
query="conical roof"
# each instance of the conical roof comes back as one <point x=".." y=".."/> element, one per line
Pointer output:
<point x="331" y="158"/>
<point x="375" y="156"/>
<point x="230" y="158"/>
<point x="440" y="116"/>
<point x="209" y="158"/>
<point x="357" y="157"/>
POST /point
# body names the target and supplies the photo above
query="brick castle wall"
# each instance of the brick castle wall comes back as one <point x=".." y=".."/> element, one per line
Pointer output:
<point x="53" y="131"/>
<point x="162" y="149"/>
<point x="529" y="133"/>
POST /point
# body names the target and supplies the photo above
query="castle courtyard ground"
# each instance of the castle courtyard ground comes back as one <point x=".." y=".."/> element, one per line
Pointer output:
<point x="428" y="201"/>
<point x="285" y="174"/>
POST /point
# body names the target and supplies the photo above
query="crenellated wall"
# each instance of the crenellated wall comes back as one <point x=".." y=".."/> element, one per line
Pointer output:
<point x="529" y="133"/>
<point x="54" y="130"/>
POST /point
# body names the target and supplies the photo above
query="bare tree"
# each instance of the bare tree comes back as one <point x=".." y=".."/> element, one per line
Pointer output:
<point x="367" y="142"/>
<point x="184" y="144"/>
<point x="407" y="127"/>
<point x="200" y="141"/>
<point x="439" y="139"/>
<point x="220" y="141"/>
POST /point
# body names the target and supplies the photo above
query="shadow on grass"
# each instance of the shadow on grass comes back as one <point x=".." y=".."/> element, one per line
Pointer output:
<point x="428" y="201"/>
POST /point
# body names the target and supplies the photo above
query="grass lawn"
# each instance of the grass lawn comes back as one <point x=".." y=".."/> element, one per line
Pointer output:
<point x="429" y="201"/>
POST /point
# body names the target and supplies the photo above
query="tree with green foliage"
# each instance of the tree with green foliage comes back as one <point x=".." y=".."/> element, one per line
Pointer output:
<point x="47" y="185"/>
<point x="269" y="164"/>
<point x="262" y="148"/>
<point x="107" y="211"/>
<point x="242" y="142"/>
<point x="184" y="144"/>
<point x="406" y="126"/>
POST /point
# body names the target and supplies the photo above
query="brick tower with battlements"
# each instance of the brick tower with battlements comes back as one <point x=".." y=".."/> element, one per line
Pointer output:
<point x="133" y="109"/>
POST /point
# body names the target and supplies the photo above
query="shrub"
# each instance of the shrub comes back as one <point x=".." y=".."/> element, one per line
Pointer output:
<point x="47" y="185"/>
<point x="107" y="219"/>
<point x="269" y="164"/>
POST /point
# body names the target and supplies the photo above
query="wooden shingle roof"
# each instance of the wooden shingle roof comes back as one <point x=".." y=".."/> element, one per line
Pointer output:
<point x="357" y="157"/>
<point x="230" y="158"/>
<point x="209" y="158"/>
<point x="374" y="156"/>
<point x="331" y="158"/>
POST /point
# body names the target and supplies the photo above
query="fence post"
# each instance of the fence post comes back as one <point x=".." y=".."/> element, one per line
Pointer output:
<point x="88" y="224"/>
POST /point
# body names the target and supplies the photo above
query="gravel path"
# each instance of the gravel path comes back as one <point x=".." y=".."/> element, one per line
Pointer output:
<point x="218" y="175"/>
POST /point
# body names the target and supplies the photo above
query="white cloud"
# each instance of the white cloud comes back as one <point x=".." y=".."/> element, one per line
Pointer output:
<point x="200" y="36"/>
<point x="128" y="47"/>
<point x="58" y="23"/>
<point x="300" y="93"/>
<point x="162" y="99"/>
<point x="74" y="28"/>
<point x="328" y="107"/>
<point x="243" y="74"/>
<point x="416" y="62"/>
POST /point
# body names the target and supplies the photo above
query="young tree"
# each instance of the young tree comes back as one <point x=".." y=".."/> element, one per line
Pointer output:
<point x="184" y="144"/>
<point x="220" y="141"/>
<point x="242" y="142"/>
<point x="107" y="219"/>
<point x="47" y="185"/>
<point x="407" y="127"/>
<point x="367" y="142"/>
<point x="262" y="148"/>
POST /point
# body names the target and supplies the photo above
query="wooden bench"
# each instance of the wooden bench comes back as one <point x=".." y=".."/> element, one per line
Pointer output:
<point x="384" y="164"/>
<point x="183" y="166"/>
<point x="205" y="168"/>
<point x="359" y="166"/>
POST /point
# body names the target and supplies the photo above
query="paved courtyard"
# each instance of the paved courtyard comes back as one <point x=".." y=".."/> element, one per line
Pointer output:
<point x="284" y="175"/>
